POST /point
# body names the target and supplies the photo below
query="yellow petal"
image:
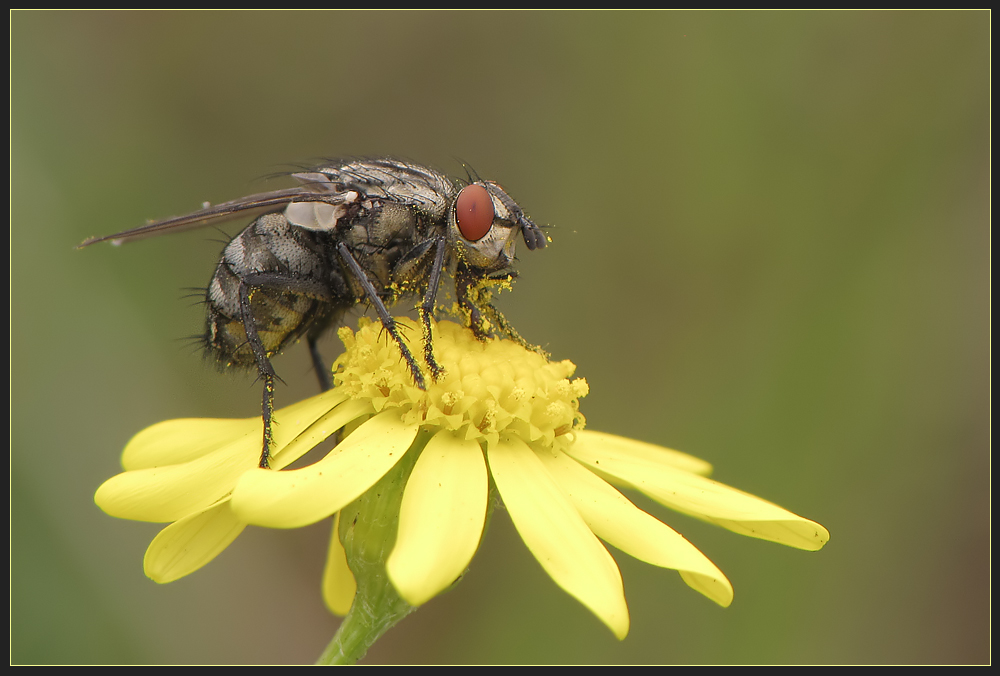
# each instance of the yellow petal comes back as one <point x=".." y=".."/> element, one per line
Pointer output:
<point x="173" y="492"/>
<point x="170" y="492"/>
<point x="187" y="545"/>
<point x="625" y="449"/>
<point x="614" y="519"/>
<point x="173" y="442"/>
<point x="441" y="518"/>
<point x="339" y="585"/>
<point x="306" y="439"/>
<point x="705" y="499"/>
<point x="177" y="441"/>
<point x="294" y="498"/>
<point x="556" y="534"/>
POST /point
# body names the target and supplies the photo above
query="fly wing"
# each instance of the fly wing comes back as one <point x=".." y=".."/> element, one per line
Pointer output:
<point x="313" y="190"/>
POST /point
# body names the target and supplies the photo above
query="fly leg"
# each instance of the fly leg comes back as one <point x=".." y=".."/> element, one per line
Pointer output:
<point x="468" y="294"/>
<point x="504" y="328"/>
<point x="484" y="318"/>
<point x="264" y="368"/>
<point x="322" y="373"/>
<point x="248" y="283"/>
<point x="383" y="314"/>
<point x="426" y="309"/>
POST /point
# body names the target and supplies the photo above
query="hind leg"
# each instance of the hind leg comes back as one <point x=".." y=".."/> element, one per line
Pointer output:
<point x="264" y="369"/>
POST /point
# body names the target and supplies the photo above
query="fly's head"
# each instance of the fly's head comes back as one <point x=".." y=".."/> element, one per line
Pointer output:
<point x="483" y="225"/>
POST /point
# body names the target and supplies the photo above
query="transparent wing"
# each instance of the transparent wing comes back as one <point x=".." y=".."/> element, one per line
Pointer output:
<point x="313" y="191"/>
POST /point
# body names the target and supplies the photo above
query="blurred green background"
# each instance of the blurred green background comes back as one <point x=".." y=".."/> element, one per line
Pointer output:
<point x="770" y="250"/>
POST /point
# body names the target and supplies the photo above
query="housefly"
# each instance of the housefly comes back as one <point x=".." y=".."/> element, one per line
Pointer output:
<point x="355" y="231"/>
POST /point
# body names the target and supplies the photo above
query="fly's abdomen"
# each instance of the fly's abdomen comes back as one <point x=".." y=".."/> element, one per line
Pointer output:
<point x="279" y="317"/>
<point x="283" y="274"/>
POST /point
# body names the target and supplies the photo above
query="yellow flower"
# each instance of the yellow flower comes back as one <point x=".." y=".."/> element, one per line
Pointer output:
<point x="501" y="412"/>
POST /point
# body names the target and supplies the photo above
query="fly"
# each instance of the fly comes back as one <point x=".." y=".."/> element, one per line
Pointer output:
<point x="364" y="230"/>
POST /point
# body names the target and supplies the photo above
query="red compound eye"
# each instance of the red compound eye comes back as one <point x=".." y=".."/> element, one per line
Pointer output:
<point x="474" y="212"/>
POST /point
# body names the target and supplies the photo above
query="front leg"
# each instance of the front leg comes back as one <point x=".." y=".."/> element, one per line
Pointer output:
<point x="468" y="294"/>
<point x="485" y="319"/>
<point x="504" y="328"/>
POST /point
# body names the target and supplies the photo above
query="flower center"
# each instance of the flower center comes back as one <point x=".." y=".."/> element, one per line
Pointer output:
<point x="488" y="388"/>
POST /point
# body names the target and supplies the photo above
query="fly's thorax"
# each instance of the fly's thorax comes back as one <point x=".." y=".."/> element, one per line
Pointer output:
<point x="382" y="226"/>
<point x="382" y="239"/>
<point x="389" y="180"/>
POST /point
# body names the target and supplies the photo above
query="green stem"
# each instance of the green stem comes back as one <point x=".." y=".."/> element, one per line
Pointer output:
<point x="364" y="624"/>
<point x="368" y="532"/>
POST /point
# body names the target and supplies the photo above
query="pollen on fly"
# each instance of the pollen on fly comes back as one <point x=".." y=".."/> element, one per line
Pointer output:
<point x="362" y="231"/>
